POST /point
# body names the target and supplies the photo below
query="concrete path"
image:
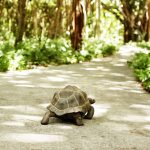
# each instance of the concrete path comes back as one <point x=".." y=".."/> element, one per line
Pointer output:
<point x="122" y="108"/>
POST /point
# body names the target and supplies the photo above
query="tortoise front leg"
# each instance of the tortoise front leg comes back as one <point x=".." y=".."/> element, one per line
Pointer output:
<point x="46" y="117"/>
<point x="78" y="119"/>
<point x="90" y="113"/>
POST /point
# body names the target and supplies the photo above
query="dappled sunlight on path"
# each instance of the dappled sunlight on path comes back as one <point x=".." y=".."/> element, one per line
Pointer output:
<point x="122" y="108"/>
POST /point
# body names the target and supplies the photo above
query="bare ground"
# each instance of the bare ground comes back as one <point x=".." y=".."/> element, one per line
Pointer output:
<point x="122" y="109"/>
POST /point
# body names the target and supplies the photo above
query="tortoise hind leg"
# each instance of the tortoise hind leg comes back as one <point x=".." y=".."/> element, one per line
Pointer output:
<point x="90" y="113"/>
<point x="46" y="117"/>
<point x="78" y="119"/>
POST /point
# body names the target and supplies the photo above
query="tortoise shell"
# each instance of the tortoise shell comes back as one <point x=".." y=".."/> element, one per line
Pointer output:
<point x="69" y="100"/>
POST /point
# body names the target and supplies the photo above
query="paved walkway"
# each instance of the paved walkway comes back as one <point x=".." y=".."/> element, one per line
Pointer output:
<point x="122" y="108"/>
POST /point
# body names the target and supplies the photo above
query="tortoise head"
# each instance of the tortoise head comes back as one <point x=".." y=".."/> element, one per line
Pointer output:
<point x="91" y="100"/>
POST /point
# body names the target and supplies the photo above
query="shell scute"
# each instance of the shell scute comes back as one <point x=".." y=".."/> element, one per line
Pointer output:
<point x="61" y="104"/>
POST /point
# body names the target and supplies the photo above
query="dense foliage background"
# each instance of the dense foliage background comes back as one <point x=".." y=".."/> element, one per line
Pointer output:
<point x="43" y="32"/>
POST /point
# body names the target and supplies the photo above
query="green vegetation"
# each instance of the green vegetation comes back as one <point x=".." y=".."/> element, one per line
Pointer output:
<point x="4" y="63"/>
<point x="31" y="52"/>
<point x="141" y="65"/>
<point x="144" y="44"/>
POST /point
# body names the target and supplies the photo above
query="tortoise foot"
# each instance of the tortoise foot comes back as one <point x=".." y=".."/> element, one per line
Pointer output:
<point x="90" y="113"/>
<point x="46" y="117"/>
<point x="78" y="119"/>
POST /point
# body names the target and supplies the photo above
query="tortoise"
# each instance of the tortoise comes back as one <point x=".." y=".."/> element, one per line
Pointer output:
<point x="70" y="104"/>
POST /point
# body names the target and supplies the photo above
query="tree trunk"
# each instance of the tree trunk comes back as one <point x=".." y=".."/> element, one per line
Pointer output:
<point x="68" y="14"/>
<point x="21" y="20"/>
<point x="97" y="26"/>
<point x="86" y="15"/>
<point x="148" y="20"/>
<point x="128" y="33"/>
<point x="128" y="21"/>
<point x="77" y="24"/>
<point x="58" y="19"/>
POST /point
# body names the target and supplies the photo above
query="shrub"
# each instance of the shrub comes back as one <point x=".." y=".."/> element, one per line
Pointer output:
<point x="144" y="44"/>
<point x="141" y="65"/>
<point x="4" y="63"/>
<point x="97" y="48"/>
<point x="5" y="48"/>
<point x="46" y="51"/>
<point x="108" y="50"/>
<point x="17" y="60"/>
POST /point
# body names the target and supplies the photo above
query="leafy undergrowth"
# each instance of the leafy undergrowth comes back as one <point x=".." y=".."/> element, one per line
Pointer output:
<point x="144" y="44"/>
<point x="34" y="52"/>
<point x="141" y="66"/>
